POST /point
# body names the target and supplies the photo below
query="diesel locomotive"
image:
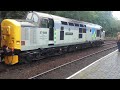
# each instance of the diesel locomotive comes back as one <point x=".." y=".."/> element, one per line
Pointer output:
<point x="42" y="35"/>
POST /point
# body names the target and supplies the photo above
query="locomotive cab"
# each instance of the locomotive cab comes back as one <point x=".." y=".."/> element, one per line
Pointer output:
<point x="43" y="21"/>
<point x="103" y="35"/>
<point x="23" y="35"/>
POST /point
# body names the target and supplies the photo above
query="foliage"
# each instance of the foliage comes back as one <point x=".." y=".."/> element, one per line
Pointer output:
<point x="12" y="14"/>
<point x="103" y="18"/>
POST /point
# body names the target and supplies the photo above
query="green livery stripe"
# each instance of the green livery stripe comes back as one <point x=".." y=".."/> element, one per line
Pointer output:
<point x="94" y="36"/>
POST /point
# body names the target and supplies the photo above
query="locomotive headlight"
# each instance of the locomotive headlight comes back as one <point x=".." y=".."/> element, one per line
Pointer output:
<point x="17" y="42"/>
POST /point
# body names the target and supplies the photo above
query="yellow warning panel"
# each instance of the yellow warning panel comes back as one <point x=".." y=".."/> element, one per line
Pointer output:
<point x="11" y="33"/>
<point x="11" y="59"/>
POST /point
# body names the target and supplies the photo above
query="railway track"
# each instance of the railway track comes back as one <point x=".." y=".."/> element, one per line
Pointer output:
<point x="54" y="70"/>
<point x="108" y="43"/>
<point x="45" y="66"/>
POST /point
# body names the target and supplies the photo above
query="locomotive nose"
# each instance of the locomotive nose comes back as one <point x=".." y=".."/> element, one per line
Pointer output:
<point x="11" y="37"/>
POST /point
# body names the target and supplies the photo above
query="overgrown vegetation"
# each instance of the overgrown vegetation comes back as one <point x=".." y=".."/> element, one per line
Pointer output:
<point x="103" y="18"/>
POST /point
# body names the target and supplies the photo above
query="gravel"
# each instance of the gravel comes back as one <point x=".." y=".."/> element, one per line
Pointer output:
<point x="25" y="71"/>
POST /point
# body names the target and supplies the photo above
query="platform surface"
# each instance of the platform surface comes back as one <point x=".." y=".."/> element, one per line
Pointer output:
<point x="107" y="67"/>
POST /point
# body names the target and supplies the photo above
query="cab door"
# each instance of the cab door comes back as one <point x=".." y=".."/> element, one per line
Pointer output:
<point x="51" y="31"/>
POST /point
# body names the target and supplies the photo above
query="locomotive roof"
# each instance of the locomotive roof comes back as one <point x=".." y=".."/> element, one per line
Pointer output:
<point x="23" y="22"/>
<point x="67" y="19"/>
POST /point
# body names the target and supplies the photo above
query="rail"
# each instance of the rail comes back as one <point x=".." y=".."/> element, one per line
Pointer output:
<point x="33" y="77"/>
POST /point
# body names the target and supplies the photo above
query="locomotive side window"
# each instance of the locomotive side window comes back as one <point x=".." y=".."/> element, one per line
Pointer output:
<point x="44" y="23"/>
<point x="77" y="25"/>
<point x="51" y="23"/>
<point x="61" y="35"/>
<point x="84" y="30"/>
<point x="64" y="23"/>
<point x="80" y="30"/>
<point x="81" y="25"/>
<point x="71" y="24"/>
<point x="80" y="35"/>
<point x="98" y="33"/>
<point x="90" y="30"/>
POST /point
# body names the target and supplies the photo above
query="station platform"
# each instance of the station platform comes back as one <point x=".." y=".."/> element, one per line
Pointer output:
<point x="107" y="67"/>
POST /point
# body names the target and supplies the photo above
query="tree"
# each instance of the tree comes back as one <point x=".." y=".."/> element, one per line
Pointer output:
<point x="103" y="18"/>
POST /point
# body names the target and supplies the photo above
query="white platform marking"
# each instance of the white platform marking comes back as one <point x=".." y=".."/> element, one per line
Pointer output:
<point x="91" y="64"/>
